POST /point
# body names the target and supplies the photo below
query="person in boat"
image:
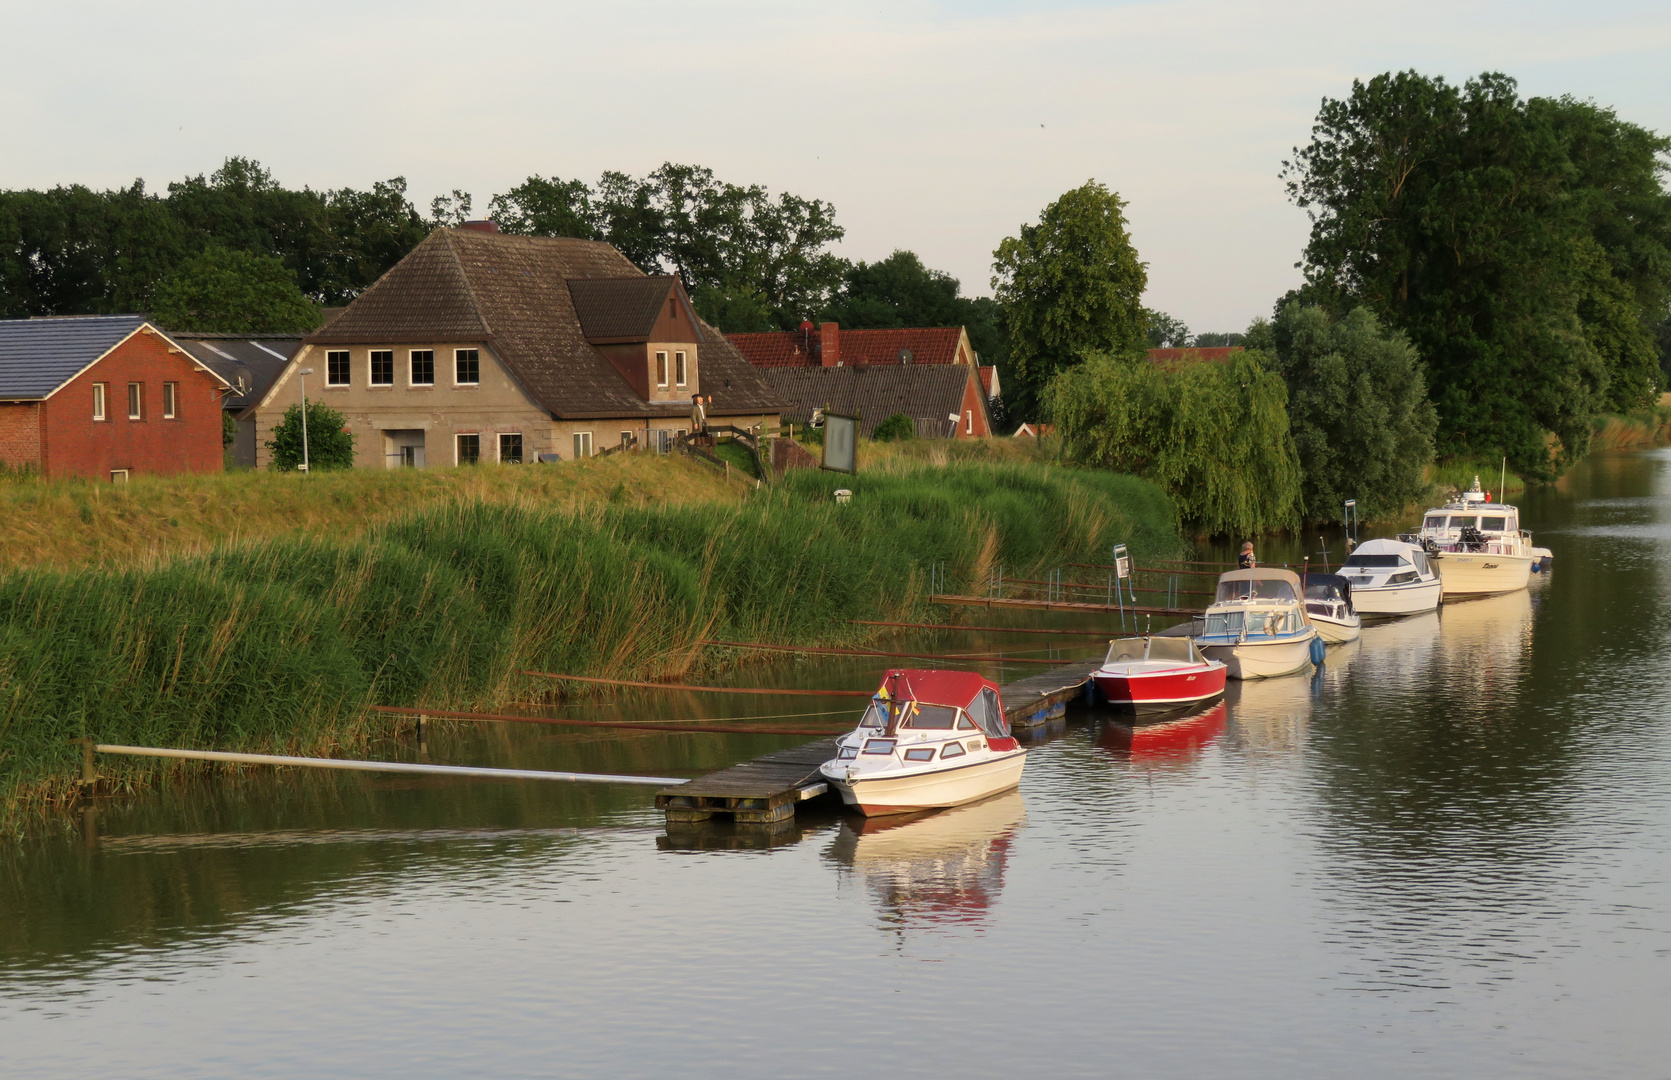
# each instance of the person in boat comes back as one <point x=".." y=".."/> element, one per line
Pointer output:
<point x="1246" y="561"/>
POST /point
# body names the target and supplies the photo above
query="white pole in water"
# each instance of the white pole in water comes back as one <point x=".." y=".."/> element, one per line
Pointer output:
<point x="387" y="766"/>
<point x="1503" y="478"/>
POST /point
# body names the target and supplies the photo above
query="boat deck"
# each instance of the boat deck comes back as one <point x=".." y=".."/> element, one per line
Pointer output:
<point x="766" y="790"/>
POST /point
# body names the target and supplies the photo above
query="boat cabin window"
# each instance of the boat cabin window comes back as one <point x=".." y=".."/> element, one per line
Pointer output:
<point x="1434" y="521"/>
<point x="879" y="746"/>
<point x="1229" y="622"/>
<point x="964" y="723"/>
<point x="1371" y="560"/>
<point x="988" y="714"/>
<point x="847" y="752"/>
<point x="1257" y="590"/>
<point x="931" y="717"/>
<point x="952" y="749"/>
<point x="1421" y="561"/>
<point x="1469" y="522"/>
<point x="1493" y="524"/>
<point x="874" y="716"/>
<point x="1323" y="590"/>
<point x="1404" y="578"/>
<point x="920" y="753"/>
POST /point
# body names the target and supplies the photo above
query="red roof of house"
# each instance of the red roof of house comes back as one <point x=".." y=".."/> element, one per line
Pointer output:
<point x="802" y="348"/>
<point x="986" y="379"/>
<point x="1212" y="355"/>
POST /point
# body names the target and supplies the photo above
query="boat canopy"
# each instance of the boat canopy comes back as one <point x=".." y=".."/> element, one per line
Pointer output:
<point x="1259" y="583"/>
<point x="1156" y="647"/>
<point x="937" y="695"/>
<point x="1328" y="587"/>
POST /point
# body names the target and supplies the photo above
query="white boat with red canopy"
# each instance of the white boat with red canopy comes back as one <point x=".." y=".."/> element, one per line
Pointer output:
<point x="929" y="739"/>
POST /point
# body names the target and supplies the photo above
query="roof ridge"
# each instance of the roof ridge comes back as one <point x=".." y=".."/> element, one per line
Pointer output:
<point x="469" y="286"/>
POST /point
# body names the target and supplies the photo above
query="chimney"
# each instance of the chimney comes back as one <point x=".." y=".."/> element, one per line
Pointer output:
<point x="480" y="226"/>
<point x="829" y="343"/>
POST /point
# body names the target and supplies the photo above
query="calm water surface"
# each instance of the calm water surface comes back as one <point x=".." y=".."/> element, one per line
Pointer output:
<point x="1448" y="854"/>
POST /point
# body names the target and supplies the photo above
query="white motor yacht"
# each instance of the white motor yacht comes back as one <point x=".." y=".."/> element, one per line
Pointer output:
<point x="1477" y="546"/>
<point x="1328" y="603"/>
<point x="1391" y="577"/>
<point x="1258" y="627"/>
<point x="929" y="739"/>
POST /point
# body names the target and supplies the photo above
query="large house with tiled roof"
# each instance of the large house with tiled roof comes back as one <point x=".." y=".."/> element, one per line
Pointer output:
<point x="479" y="346"/>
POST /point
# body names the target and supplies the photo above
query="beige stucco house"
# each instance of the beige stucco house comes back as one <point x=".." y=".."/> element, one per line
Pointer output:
<point x="484" y="347"/>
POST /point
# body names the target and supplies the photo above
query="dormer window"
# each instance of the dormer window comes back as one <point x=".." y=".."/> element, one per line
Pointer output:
<point x="661" y="370"/>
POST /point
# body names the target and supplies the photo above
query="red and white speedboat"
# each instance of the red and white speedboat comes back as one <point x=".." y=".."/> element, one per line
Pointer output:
<point x="1158" y="673"/>
<point x="930" y="739"/>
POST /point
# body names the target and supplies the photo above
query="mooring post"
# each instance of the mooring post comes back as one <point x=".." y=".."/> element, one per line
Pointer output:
<point x="423" y="745"/>
<point x="89" y="777"/>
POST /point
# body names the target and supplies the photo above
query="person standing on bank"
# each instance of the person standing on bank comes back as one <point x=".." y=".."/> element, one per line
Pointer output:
<point x="698" y="416"/>
<point x="1246" y="561"/>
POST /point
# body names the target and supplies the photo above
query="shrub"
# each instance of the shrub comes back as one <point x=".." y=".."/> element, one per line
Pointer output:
<point x="330" y="445"/>
<point x="897" y="426"/>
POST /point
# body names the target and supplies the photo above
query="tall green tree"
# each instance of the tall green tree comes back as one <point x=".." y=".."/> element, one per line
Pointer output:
<point x="1215" y="436"/>
<point x="1166" y="331"/>
<point x="233" y="292"/>
<point x="1070" y="285"/>
<point x="1524" y="246"/>
<point x="547" y="207"/>
<point x="1357" y="409"/>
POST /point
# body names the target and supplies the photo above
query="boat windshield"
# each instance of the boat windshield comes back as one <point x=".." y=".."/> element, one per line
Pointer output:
<point x="1434" y="521"/>
<point x="1493" y="524"/>
<point x="1123" y="650"/>
<point x="1254" y="590"/>
<point x="1228" y="622"/>
<point x="1323" y="590"/>
<point x="874" y="716"/>
<point x="1469" y="522"/>
<point x="1371" y="561"/>
<point x="1177" y="649"/>
<point x="932" y="717"/>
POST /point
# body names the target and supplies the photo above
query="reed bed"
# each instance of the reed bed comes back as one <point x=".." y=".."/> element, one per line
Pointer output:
<point x="280" y="644"/>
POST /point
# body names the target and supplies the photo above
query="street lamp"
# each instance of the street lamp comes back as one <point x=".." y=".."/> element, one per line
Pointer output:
<point x="303" y="373"/>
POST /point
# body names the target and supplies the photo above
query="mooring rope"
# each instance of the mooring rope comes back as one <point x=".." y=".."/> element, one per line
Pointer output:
<point x="710" y="689"/>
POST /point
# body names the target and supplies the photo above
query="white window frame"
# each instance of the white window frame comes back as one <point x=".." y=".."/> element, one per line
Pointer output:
<point x="969" y="421"/>
<point x="99" y="391"/>
<point x="136" y="401"/>
<point x="626" y="438"/>
<point x="582" y="439"/>
<point x="347" y="368"/>
<point x="661" y="369"/>
<point x="411" y="363"/>
<point x="170" y="400"/>
<point x="371" y="369"/>
<point x="118" y="476"/>
<point x="458" y="354"/>
<point x="499" y="446"/>
<point x="680" y="369"/>
<point x="458" y="446"/>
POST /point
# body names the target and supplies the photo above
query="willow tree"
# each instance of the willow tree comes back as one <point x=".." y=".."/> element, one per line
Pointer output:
<point x="1068" y="286"/>
<point x="1214" y="435"/>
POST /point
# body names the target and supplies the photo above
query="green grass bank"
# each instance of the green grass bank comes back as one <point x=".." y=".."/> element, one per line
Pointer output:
<point x="280" y="644"/>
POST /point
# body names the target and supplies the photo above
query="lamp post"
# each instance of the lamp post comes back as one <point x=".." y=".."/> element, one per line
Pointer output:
<point x="302" y="374"/>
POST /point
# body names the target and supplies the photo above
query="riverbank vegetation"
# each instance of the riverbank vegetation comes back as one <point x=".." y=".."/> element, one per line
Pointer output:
<point x="280" y="643"/>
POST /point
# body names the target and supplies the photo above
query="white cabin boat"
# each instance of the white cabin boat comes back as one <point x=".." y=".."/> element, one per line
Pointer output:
<point x="1329" y="605"/>
<point x="1477" y="546"/>
<point x="929" y="739"/>
<point x="1391" y="577"/>
<point x="1257" y="625"/>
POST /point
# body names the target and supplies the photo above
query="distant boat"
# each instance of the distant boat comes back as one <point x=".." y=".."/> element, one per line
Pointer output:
<point x="929" y="739"/>
<point x="1391" y="577"/>
<point x="1258" y="627"/>
<point x="1328" y="603"/>
<point x="1477" y="545"/>
<point x="1144" y="673"/>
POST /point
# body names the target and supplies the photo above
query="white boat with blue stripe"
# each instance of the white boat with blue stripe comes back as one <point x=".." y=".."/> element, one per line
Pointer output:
<point x="1257" y="625"/>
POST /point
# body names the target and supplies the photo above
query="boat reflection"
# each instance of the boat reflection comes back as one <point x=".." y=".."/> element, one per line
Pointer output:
<point x="1166" y="742"/>
<point x="939" y="868"/>
<point x="1272" y="715"/>
<point x="1486" y="654"/>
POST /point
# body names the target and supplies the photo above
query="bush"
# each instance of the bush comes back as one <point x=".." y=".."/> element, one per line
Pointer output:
<point x="233" y="292"/>
<point x="330" y="445"/>
<point x="897" y="426"/>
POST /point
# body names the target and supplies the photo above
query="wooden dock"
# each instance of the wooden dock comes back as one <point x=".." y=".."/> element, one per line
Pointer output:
<point x="767" y="790"/>
<point x="1063" y="605"/>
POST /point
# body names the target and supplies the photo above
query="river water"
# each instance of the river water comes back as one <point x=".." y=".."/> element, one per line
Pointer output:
<point x="1446" y="855"/>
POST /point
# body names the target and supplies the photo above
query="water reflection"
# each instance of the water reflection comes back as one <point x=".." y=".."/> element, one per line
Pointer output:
<point x="942" y="869"/>
<point x="1167" y="742"/>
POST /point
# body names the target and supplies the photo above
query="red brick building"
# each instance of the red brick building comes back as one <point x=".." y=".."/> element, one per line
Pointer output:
<point x="105" y="396"/>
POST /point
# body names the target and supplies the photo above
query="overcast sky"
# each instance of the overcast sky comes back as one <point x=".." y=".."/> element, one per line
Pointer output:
<point x="938" y="127"/>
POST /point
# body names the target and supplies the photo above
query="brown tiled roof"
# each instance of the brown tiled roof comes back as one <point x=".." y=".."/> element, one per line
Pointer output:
<point x="987" y="375"/>
<point x="789" y="348"/>
<point x="929" y="393"/>
<point x="619" y="308"/>
<point x="1213" y="354"/>
<point x="513" y="294"/>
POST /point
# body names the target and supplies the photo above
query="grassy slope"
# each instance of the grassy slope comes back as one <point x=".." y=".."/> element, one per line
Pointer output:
<point x="281" y="642"/>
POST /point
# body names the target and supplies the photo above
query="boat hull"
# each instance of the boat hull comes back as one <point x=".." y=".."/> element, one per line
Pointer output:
<point x="1162" y="690"/>
<point x="1263" y="660"/>
<point x="1480" y="574"/>
<point x="1337" y="633"/>
<point x="896" y="794"/>
<point x="1398" y="599"/>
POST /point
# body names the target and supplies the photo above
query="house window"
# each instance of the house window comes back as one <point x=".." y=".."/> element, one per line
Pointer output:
<point x="135" y="401"/>
<point x="118" y="476"/>
<point x="98" y="400"/>
<point x="679" y="368"/>
<point x="382" y="367"/>
<point x="423" y="367"/>
<point x="969" y="422"/>
<point x="661" y="370"/>
<point x="582" y="445"/>
<point x="170" y="398"/>
<point x="467" y="367"/>
<point x="510" y="448"/>
<point x="626" y="438"/>
<point x="469" y="449"/>
<point x="336" y="369"/>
